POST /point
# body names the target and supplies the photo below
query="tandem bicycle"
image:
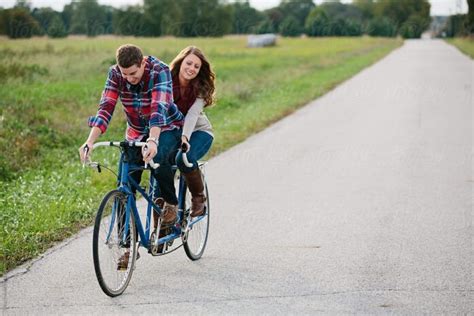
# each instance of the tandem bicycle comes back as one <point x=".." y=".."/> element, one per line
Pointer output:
<point x="119" y="230"/>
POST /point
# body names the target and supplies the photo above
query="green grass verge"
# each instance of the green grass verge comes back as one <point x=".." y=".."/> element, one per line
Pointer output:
<point x="50" y="87"/>
<point x="465" y="45"/>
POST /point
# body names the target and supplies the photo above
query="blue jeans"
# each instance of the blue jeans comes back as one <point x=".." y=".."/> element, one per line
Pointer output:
<point x="200" y="143"/>
<point x="168" y="147"/>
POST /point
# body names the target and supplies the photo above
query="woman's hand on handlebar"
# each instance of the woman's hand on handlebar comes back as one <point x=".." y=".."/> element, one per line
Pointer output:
<point x="185" y="146"/>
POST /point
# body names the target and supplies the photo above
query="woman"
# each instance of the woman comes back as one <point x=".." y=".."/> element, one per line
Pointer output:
<point x="193" y="90"/>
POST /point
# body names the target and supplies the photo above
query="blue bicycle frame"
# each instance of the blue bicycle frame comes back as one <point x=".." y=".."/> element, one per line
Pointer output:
<point x="125" y="183"/>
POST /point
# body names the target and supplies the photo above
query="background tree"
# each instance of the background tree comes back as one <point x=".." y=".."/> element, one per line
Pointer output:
<point x="366" y="8"/>
<point x="291" y="27"/>
<point x="205" y="18"/>
<point x="337" y="27"/>
<point x="354" y="28"/>
<point x="89" y="18"/>
<point x="3" y="21"/>
<point x="245" y="19"/>
<point x="129" y="21"/>
<point x="56" y="28"/>
<point x="317" y="22"/>
<point x="67" y="14"/>
<point x="456" y="25"/>
<point x="275" y="17"/>
<point x="152" y="16"/>
<point x="470" y="17"/>
<point x="410" y="14"/>
<point x="381" y="26"/>
<point x="298" y="10"/>
<point x="413" y="27"/>
<point x="107" y="26"/>
<point x="44" y="17"/>
<point x="20" y="24"/>
<point x="172" y="20"/>
<point x="344" y="19"/>
<point x="337" y="10"/>
<point x="265" y="26"/>
<point x="334" y="19"/>
<point x="23" y="4"/>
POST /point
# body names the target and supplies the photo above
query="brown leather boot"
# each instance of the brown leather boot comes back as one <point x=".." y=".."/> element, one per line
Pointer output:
<point x="169" y="214"/>
<point x="196" y="187"/>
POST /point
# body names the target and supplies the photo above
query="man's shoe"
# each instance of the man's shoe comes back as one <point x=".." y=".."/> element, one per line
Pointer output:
<point x="123" y="260"/>
<point x="169" y="214"/>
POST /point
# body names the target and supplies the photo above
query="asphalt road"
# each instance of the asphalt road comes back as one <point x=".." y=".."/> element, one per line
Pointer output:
<point x="361" y="202"/>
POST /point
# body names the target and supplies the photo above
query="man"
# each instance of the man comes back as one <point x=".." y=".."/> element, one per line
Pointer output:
<point x="145" y="89"/>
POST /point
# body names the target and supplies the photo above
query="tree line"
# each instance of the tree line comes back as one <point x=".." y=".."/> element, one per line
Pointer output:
<point x="190" y="18"/>
<point x="460" y="24"/>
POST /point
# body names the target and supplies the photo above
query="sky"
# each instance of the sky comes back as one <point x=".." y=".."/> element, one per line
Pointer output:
<point x="438" y="7"/>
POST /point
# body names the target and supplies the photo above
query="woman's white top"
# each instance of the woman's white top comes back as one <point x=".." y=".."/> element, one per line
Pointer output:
<point x="196" y="120"/>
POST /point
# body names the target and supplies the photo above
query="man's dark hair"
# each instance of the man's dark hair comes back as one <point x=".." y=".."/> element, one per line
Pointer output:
<point x="128" y="55"/>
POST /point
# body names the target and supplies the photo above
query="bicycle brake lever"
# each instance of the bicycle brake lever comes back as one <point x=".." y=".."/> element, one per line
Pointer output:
<point x="93" y="164"/>
<point x="87" y="160"/>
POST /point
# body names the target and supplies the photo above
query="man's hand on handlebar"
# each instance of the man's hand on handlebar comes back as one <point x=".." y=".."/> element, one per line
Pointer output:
<point x="149" y="151"/>
<point x="85" y="151"/>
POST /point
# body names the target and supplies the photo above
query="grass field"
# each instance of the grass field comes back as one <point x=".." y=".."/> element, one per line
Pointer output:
<point x="50" y="87"/>
<point x="465" y="45"/>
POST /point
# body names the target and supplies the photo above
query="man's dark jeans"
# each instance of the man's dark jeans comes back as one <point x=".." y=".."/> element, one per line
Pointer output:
<point x="167" y="149"/>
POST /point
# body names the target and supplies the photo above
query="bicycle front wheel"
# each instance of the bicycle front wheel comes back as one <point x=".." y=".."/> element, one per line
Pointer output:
<point x="196" y="238"/>
<point x="114" y="250"/>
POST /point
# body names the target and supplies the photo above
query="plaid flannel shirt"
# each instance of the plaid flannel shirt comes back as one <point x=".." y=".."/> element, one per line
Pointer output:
<point x="147" y="104"/>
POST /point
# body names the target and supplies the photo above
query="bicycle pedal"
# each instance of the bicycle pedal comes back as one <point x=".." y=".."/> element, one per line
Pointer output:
<point x="168" y="226"/>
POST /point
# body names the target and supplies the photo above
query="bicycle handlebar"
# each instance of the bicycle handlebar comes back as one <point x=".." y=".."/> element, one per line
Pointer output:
<point x="120" y="144"/>
<point x="153" y="164"/>
<point x="184" y="149"/>
<point x="139" y="144"/>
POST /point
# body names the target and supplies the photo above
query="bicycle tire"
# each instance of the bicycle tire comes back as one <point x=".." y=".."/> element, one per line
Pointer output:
<point x="196" y="239"/>
<point x="108" y="247"/>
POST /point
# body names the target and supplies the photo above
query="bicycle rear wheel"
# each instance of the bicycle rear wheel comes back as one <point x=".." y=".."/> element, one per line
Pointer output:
<point x="196" y="238"/>
<point x="113" y="267"/>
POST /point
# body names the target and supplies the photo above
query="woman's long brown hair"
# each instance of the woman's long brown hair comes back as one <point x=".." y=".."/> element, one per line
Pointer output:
<point x="204" y="83"/>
